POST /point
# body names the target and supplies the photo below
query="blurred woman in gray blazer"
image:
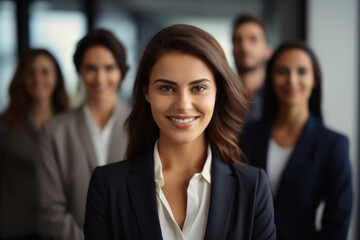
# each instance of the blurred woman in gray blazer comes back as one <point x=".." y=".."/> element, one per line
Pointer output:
<point x="74" y="143"/>
<point x="37" y="92"/>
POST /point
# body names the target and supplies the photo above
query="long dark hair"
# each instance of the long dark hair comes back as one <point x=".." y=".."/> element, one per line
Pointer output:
<point x="20" y="101"/>
<point x="270" y="105"/>
<point x="226" y="125"/>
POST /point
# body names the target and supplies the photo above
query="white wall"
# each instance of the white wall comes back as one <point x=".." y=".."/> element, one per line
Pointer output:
<point x="333" y="34"/>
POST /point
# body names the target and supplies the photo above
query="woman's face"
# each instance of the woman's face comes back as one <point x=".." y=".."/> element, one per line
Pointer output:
<point x="40" y="78"/>
<point x="100" y="73"/>
<point x="293" y="77"/>
<point x="182" y="94"/>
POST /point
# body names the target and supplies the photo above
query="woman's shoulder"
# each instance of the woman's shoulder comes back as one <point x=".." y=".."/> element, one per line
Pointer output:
<point x="122" y="111"/>
<point x="116" y="169"/>
<point x="248" y="175"/>
<point x="115" y="173"/>
<point x="63" y="120"/>
<point x="327" y="134"/>
<point x="123" y="107"/>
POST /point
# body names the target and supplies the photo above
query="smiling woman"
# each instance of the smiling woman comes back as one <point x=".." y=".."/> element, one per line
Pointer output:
<point x="306" y="162"/>
<point x="188" y="113"/>
<point x="73" y="144"/>
<point x="37" y="93"/>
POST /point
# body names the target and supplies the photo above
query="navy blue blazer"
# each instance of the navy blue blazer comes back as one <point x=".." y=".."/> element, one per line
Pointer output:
<point x="317" y="170"/>
<point x="121" y="202"/>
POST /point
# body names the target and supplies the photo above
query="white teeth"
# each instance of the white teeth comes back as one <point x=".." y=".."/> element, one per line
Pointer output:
<point x="182" y="120"/>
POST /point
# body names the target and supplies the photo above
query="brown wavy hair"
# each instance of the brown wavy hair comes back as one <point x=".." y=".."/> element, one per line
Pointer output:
<point x="226" y="125"/>
<point x="20" y="101"/>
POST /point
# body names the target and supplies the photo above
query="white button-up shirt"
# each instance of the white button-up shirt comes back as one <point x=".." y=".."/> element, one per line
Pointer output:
<point x="101" y="139"/>
<point x="198" y="200"/>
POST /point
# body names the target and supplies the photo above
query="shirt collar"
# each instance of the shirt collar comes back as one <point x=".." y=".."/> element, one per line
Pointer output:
<point x="91" y="121"/>
<point x="158" y="173"/>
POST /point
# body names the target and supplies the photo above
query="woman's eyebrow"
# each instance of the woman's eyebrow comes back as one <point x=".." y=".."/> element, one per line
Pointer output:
<point x="199" y="81"/>
<point x="165" y="81"/>
<point x="174" y="83"/>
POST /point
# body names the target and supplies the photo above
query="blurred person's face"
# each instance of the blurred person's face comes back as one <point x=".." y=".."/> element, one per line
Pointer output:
<point x="293" y="77"/>
<point x="250" y="47"/>
<point x="40" y="79"/>
<point x="100" y="73"/>
<point x="182" y="94"/>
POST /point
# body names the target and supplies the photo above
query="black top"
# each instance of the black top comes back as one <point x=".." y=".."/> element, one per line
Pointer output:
<point x="318" y="170"/>
<point x="121" y="202"/>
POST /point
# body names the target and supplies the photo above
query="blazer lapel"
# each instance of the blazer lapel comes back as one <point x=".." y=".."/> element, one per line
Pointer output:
<point x="223" y="187"/>
<point x="85" y="138"/>
<point x="141" y="187"/>
<point x="301" y="155"/>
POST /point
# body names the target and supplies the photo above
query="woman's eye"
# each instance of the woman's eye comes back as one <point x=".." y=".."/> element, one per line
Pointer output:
<point x="166" y="89"/>
<point x="198" y="89"/>
<point x="89" y="68"/>
<point x="110" y="68"/>
<point x="281" y="71"/>
<point x="302" y="71"/>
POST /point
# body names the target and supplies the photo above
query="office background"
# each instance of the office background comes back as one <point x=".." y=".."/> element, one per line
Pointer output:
<point x="330" y="27"/>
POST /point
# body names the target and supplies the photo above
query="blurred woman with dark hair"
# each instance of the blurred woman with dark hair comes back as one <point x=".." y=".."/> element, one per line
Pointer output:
<point x="74" y="143"/>
<point x="36" y="94"/>
<point x="306" y="162"/>
<point x="184" y="177"/>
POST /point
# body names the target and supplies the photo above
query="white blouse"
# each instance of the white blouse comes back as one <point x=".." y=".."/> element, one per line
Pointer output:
<point x="101" y="139"/>
<point x="198" y="200"/>
<point x="277" y="159"/>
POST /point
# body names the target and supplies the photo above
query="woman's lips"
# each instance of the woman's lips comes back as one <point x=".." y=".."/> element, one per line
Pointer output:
<point x="182" y="122"/>
<point x="99" y="88"/>
<point x="290" y="92"/>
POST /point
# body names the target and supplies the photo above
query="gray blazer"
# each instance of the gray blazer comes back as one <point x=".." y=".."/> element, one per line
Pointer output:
<point x="67" y="160"/>
<point x="17" y="180"/>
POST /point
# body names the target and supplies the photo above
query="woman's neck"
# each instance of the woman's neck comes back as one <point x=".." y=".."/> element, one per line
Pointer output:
<point x="183" y="157"/>
<point x="289" y="124"/>
<point x="102" y="110"/>
<point x="40" y="111"/>
<point x="292" y="117"/>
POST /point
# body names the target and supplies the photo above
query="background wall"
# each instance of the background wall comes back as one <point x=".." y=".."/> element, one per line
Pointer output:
<point x="333" y="30"/>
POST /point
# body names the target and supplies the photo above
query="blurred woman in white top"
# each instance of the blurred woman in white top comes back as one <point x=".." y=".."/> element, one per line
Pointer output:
<point x="73" y="144"/>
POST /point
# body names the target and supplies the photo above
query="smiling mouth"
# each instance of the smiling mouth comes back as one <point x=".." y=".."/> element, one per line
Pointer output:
<point x="99" y="88"/>
<point x="182" y="122"/>
<point x="38" y="86"/>
<point x="290" y="91"/>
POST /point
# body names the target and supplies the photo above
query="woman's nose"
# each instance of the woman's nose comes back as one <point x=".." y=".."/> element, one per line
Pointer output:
<point x="183" y="101"/>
